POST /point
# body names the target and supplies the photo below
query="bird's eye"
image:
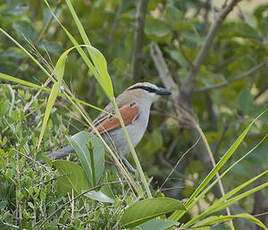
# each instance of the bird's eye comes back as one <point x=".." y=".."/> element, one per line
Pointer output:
<point x="149" y="89"/>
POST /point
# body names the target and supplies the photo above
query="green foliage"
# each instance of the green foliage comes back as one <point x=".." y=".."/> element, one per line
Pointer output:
<point x="90" y="151"/>
<point x="144" y="210"/>
<point x="30" y="192"/>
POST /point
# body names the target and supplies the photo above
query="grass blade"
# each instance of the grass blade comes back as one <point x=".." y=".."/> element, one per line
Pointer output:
<point x="212" y="220"/>
<point x="177" y="214"/>
<point x="223" y="174"/>
<point x="218" y="203"/>
<point x="59" y="71"/>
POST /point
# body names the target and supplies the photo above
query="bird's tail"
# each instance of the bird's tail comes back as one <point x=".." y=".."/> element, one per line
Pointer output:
<point x="60" y="153"/>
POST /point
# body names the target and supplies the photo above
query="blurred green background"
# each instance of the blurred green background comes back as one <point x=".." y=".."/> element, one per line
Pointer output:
<point x="180" y="29"/>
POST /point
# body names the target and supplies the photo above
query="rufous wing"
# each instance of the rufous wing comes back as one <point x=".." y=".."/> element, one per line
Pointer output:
<point x="129" y="114"/>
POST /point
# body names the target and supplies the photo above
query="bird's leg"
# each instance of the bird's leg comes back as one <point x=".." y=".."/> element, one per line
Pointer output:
<point x="129" y="166"/>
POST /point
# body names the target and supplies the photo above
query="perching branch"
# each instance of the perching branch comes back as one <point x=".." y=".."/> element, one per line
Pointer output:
<point x="239" y="77"/>
<point x="190" y="82"/>
<point x="181" y="104"/>
<point x="138" y="40"/>
<point x="163" y="71"/>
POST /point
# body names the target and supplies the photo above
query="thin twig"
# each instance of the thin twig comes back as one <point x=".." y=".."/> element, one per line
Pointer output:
<point x="177" y="163"/>
<point x="200" y="58"/>
<point x="10" y="225"/>
<point x="263" y="90"/>
<point x="239" y="77"/>
<point x="163" y="71"/>
<point x="138" y="40"/>
<point x="223" y="64"/>
<point x="173" y="144"/>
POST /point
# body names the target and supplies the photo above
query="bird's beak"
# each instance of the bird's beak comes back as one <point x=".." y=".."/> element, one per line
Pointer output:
<point x="162" y="91"/>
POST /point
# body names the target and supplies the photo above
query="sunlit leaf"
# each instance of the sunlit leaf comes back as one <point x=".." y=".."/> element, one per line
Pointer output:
<point x="73" y="177"/>
<point x="144" y="210"/>
<point x="93" y="169"/>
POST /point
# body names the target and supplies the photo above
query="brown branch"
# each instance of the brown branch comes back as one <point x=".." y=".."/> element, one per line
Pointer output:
<point x="187" y="115"/>
<point x="263" y="90"/>
<point x="190" y="82"/>
<point x="138" y="41"/>
<point x="163" y="71"/>
<point x="239" y="77"/>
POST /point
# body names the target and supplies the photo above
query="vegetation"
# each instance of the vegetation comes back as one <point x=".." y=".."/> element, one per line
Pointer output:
<point x="204" y="156"/>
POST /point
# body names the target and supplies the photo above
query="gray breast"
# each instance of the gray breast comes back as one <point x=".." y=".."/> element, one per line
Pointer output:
<point x="116" y="138"/>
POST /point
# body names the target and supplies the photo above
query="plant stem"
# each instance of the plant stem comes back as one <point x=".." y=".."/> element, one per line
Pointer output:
<point x="132" y="150"/>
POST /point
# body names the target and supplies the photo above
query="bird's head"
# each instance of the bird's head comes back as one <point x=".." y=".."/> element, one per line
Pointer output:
<point x="148" y="91"/>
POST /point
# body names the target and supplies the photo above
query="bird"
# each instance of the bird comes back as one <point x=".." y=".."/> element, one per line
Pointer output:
<point x="134" y="105"/>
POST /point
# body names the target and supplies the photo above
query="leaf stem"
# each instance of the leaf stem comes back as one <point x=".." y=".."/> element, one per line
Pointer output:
<point x="132" y="150"/>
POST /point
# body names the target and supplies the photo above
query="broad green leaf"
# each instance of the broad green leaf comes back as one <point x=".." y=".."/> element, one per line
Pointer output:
<point x="13" y="52"/>
<point x="212" y="220"/>
<point x="156" y="224"/>
<point x="157" y="27"/>
<point x="73" y="177"/>
<point x="245" y="101"/>
<point x="93" y="169"/>
<point x="238" y="29"/>
<point x="144" y="210"/>
<point x="99" y="196"/>
<point x="51" y="47"/>
<point x="15" y="8"/>
<point x="26" y="30"/>
<point x="101" y="66"/>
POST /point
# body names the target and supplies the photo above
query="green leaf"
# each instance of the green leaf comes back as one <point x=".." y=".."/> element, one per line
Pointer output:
<point x="96" y="56"/>
<point x="99" y="196"/>
<point x="59" y="71"/>
<point x="73" y="177"/>
<point x="13" y="52"/>
<point x="26" y="30"/>
<point x="212" y="220"/>
<point x="100" y="69"/>
<point x="156" y="224"/>
<point x="51" y="100"/>
<point x="80" y="142"/>
<point x="238" y="197"/>
<point x="51" y="47"/>
<point x="144" y="210"/>
<point x="245" y="101"/>
<point x="156" y="27"/>
<point x="101" y="66"/>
